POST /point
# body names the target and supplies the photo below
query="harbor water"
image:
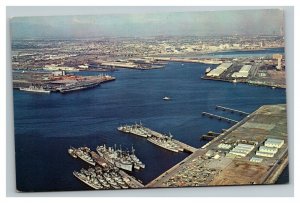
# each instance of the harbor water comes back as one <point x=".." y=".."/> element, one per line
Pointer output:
<point x="46" y="125"/>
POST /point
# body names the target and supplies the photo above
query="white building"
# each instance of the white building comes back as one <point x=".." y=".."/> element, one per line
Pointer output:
<point x="271" y="142"/>
<point x="268" y="149"/>
<point x="224" y="146"/>
<point x="264" y="154"/>
<point x="256" y="159"/>
<point x="219" y="70"/>
<point x="243" y="72"/>
<point x="242" y="150"/>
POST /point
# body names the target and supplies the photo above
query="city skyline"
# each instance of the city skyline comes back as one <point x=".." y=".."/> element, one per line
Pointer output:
<point x="208" y="23"/>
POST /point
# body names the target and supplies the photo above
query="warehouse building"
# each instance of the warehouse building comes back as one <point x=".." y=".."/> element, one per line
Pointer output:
<point x="241" y="150"/>
<point x="243" y="73"/>
<point x="224" y="146"/>
<point x="271" y="142"/>
<point x="219" y="70"/>
<point x="256" y="159"/>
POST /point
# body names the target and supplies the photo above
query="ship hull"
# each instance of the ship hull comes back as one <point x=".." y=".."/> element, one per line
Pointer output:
<point x="35" y="91"/>
<point x="162" y="146"/>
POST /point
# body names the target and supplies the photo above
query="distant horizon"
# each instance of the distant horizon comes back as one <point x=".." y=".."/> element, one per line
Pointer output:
<point x="264" y="22"/>
<point x="145" y="37"/>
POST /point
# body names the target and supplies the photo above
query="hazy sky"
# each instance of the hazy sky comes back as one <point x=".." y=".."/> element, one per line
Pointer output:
<point x="141" y="25"/>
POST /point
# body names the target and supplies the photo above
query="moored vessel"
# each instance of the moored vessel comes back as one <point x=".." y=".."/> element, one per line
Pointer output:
<point x="35" y="89"/>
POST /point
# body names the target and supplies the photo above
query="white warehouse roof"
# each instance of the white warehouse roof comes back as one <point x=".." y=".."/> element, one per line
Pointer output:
<point x="271" y="142"/>
<point x="219" y="70"/>
<point x="243" y="73"/>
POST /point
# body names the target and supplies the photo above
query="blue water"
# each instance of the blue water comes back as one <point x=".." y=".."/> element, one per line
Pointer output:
<point x="46" y="125"/>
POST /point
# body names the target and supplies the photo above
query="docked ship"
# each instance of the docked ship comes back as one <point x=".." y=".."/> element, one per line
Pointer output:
<point x="136" y="129"/>
<point x="207" y="70"/>
<point x="92" y="182"/>
<point x="119" y="158"/>
<point x="165" y="142"/>
<point x="137" y="164"/>
<point x="76" y="87"/>
<point x="35" y="89"/>
<point x="72" y="151"/>
<point x="115" y="157"/>
<point x="99" y="178"/>
<point x="83" y="154"/>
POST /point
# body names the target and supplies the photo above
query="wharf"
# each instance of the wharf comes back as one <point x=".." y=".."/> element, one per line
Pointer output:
<point x="219" y="117"/>
<point x="231" y="110"/>
<point x="212" y="165"/>
<point x="186" y="147"/>
<point x="134" y="183"/>
<point x="148" y="133"/>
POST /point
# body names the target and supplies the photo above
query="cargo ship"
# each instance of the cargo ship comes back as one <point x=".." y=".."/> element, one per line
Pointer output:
<point x="34" y="89"/>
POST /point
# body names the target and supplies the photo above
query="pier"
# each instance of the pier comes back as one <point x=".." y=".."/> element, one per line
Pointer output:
<point x="173" y="144"/>
<point x="219" y="117"/>
<point x="231" y="110"/>
<point x="186" y="147"/>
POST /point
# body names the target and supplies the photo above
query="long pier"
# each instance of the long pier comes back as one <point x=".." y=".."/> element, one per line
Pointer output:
<point x="186" y="147"/>
<point x="219" y="117"/>
<point x="148" y="133"/>
<point x="231" y="110"/>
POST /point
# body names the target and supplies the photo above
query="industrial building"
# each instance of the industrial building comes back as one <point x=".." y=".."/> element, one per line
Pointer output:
<point x="271" y="142"/>
<point x="256" y="159"/>
<point x="270" y="147"/>
<point x="241" y="150"/>
<point x="219" y="70"/>
<point x="224" y="146"/>
<point x="243" y="72"/>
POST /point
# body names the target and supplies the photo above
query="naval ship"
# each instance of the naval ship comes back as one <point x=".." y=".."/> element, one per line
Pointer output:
<point x="120" y="158"/>
<point x="99" y="178"/>
<point x="156" y="138"/>
<point x="34" y="89"/>
<point x="136" y="129"/>
<point x="82" y="153"/>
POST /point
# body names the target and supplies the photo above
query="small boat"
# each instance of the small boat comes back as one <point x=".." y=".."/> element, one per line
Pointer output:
<point x="166" y="98"/>
<point x="207" y="70"/>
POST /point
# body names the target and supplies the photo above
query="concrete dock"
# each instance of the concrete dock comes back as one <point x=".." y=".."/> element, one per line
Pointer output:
<point x="231" y="110"/>
<point x="220" y="163"/>
<point x="219" y="117"/>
